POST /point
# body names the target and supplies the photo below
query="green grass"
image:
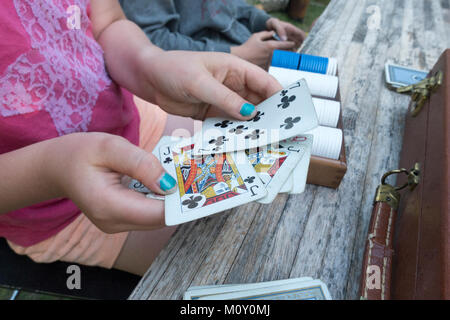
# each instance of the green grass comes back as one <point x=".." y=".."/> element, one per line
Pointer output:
<point x="314" y="10"/>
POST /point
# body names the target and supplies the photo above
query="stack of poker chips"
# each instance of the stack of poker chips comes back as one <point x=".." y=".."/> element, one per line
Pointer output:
<point x="319" y="72"/>
<point x="304" y="62"/>
<point x="320" y="75"/>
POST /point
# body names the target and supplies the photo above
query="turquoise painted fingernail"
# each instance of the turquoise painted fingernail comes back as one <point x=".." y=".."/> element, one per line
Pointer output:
<point x="247" y="109"/>
<point x="167" y="182"/>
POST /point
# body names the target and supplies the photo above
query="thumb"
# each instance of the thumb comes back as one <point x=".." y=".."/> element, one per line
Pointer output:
<point x="264" y="35"/>
<point x="122" y="156"/>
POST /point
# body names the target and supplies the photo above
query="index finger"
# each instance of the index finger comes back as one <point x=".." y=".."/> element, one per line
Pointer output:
<point x="261" y="82"/>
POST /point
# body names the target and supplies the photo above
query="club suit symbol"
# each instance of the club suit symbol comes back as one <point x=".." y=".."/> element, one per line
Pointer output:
<point x="223" y="124"/>
<point x="192" y="201"/>
<point x="250" y="179"/>
<point x="257" y="117"/>
<point x="285" y="101"/>
<point x="254" y="135"/>
<point x="238" y="130"/>
<point x="218" y="142"/>
<point x="289" y="122"/>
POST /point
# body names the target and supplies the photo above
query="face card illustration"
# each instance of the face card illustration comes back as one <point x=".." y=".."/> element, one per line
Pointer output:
<point x="207" y="184"/>
<point x="288" y="113"/>
<point x="274" y="164"/>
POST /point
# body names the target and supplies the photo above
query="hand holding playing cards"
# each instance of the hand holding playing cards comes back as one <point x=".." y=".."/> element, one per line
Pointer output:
<point x="88" y="169"/>
<point x="206" y="84"/>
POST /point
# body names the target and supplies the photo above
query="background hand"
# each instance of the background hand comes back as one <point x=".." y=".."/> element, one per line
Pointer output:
<point x="286" y="31"/>
<point x="259" y="47"/>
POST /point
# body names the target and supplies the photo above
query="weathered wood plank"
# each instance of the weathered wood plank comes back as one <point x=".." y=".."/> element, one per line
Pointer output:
<point x="384" y="152"/>
<point x="257" y="242"/>
<point x="177" y="263"/>
<point x="334" y="212"/>
<point x="282" y="253"/>
<point x="226" y="246"/>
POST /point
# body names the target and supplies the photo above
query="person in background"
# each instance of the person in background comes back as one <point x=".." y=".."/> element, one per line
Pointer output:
<point x="231" y="26"/>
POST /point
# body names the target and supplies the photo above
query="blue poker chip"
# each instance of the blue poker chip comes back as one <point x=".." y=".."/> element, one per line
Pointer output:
<point x="285" y="59"/>
<point x="314" y="64"/>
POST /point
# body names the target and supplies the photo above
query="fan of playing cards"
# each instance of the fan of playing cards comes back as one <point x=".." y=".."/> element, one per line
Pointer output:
<point x="231" y="162"/>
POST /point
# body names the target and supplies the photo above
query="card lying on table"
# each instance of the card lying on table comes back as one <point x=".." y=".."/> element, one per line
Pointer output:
<point x="286" y="114"/>
<point x="304" y="288"/>
<point x="207" y="184"/>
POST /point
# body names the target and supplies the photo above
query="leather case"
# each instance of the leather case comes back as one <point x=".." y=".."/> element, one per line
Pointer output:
<point x="407" y="254"/>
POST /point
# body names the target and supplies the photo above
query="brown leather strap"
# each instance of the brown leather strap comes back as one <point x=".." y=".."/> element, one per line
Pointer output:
<point x="377" y="263"/>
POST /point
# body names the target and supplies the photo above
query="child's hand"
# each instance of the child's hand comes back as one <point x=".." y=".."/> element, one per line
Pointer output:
<point x="204" y="84"/>
<point x="88" y="168"/>
<point x="286" y="31"/>
<point x="259" y="47"/>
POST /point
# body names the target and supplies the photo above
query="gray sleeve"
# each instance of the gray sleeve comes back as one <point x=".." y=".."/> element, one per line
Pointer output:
<point x="159" y="20"/>
<point x="254" y="18"/>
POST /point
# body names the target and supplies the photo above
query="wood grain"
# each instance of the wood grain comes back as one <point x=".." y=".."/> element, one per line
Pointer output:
<point x="320" y="233"/>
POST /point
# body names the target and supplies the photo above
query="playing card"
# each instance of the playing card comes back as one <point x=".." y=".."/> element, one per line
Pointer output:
<point x="194" y="293"/>
<point x="300" y="173"/>
<point x="302" y="290"/>
<point x="274" y="164"/>
<point x="288" y="184"/>
<point x="138" y="186"/>
<point x="207" y="184"/>
<point x="287" y="113"/>
<point x="296" y="182"/>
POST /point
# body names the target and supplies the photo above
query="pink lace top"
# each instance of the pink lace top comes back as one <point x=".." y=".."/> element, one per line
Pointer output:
<point x="53" y="82"/>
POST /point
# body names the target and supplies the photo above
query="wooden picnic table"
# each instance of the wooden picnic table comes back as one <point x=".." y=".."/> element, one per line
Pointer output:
<point x="320" y="233"/>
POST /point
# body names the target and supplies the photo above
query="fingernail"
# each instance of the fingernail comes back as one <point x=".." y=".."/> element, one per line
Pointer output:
<point x="284" y="38"/>
<point x="167" y="182"/>
<point x="247" y="109"/>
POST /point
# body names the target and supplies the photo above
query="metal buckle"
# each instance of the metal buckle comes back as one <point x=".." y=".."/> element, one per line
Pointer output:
<point x="421" y="91"/>
<point x="389" y="194"/>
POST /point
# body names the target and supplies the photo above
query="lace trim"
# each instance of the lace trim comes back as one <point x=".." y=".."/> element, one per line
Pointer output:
<point x="63" y="73"/>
